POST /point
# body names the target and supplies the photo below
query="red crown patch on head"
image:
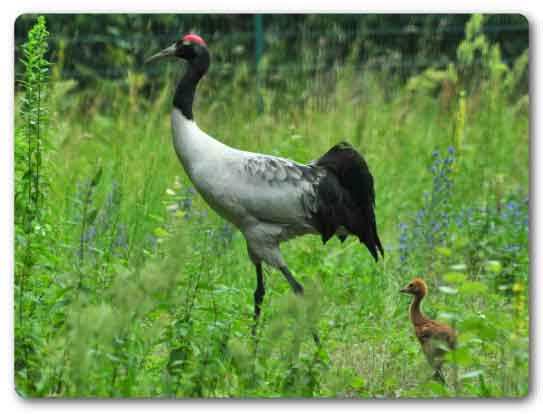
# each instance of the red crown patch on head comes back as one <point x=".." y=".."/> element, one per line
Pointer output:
<point x="194" y="38"/>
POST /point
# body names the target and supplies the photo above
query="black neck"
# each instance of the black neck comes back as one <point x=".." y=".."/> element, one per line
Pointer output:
<point x="184" y="93"/>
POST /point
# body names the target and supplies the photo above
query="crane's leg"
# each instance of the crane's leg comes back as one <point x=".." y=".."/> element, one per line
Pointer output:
<point x="259" y="294"/>
<point x="294" y="284"/>
<point x="298" y="290"/>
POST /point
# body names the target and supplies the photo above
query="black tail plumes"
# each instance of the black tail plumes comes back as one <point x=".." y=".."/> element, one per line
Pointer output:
<point x="347" y="198"/>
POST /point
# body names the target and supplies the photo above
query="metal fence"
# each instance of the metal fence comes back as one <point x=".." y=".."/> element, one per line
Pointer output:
<point x="89" y="53"/>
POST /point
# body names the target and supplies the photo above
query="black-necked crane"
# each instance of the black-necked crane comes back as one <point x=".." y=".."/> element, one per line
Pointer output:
<point x="269" y="199"/>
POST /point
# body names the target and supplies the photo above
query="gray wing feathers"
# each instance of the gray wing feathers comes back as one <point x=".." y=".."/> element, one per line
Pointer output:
<point x="280" y="190"/>
<point x="277" y="170"/>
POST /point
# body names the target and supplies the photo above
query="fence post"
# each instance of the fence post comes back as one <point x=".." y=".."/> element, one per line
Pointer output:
<point x="259" y="47"/>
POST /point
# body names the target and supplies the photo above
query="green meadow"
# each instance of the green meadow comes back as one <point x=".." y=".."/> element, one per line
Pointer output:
<point x="128" y="285"/>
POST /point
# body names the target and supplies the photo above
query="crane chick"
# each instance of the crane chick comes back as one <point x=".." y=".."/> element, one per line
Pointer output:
<point x="434" y="337"/>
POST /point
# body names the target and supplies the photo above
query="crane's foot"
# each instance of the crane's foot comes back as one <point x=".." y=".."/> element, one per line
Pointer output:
<point x="299" y="290"/>
<point x="254" y="329"/>
<point x="256" y="318"/>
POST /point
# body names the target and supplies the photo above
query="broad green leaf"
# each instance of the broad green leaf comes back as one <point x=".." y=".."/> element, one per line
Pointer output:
<point x="493" y="266"/>
<point x="444" y="251"/>
<point x="358" y="383"/>
<point x="454" y="277"/>
<point x="461" y="242"/>
<point x="482" y="328"/>
<point x="448" y="290"/>
<point x="461" y="356"/>
<point x="437" y="388"/>
<point x="472" y="374"/>
<point x="160" y="232"/>
<point x="473" y="288"/>
<point x="448" y="316"/>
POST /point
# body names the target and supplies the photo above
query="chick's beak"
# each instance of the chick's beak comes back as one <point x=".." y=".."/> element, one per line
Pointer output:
<point x="169" y="51"/>
<point x="404" y="290"/>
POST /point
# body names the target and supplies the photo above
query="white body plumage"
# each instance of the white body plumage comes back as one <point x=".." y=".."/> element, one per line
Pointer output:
<point x="266" y="197"/>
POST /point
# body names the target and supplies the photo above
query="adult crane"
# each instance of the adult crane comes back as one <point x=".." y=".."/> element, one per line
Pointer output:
<point x="269" y="199"/>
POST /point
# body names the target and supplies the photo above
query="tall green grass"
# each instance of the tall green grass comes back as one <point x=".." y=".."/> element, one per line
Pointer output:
<point x="147" y="292"/>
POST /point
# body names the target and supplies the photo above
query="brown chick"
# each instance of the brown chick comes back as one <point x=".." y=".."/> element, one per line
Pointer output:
<point x="432" y="335"/>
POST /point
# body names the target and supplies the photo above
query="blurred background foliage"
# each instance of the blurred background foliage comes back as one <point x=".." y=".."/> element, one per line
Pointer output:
<point x="95" y="47"/>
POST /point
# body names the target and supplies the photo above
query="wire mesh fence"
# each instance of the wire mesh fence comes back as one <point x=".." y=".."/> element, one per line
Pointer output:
<point x="98" y="47"/>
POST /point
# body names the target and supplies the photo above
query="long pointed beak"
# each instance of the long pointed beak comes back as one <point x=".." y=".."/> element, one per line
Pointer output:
<point x="169" y="51"/>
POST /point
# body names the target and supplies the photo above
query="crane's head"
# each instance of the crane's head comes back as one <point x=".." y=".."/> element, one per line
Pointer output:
<point x="188" y="47"/>
<point x="416" y="287"/>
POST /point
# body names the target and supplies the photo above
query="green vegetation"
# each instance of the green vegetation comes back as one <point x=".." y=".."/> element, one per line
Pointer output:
<point x="128" y="285"/>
